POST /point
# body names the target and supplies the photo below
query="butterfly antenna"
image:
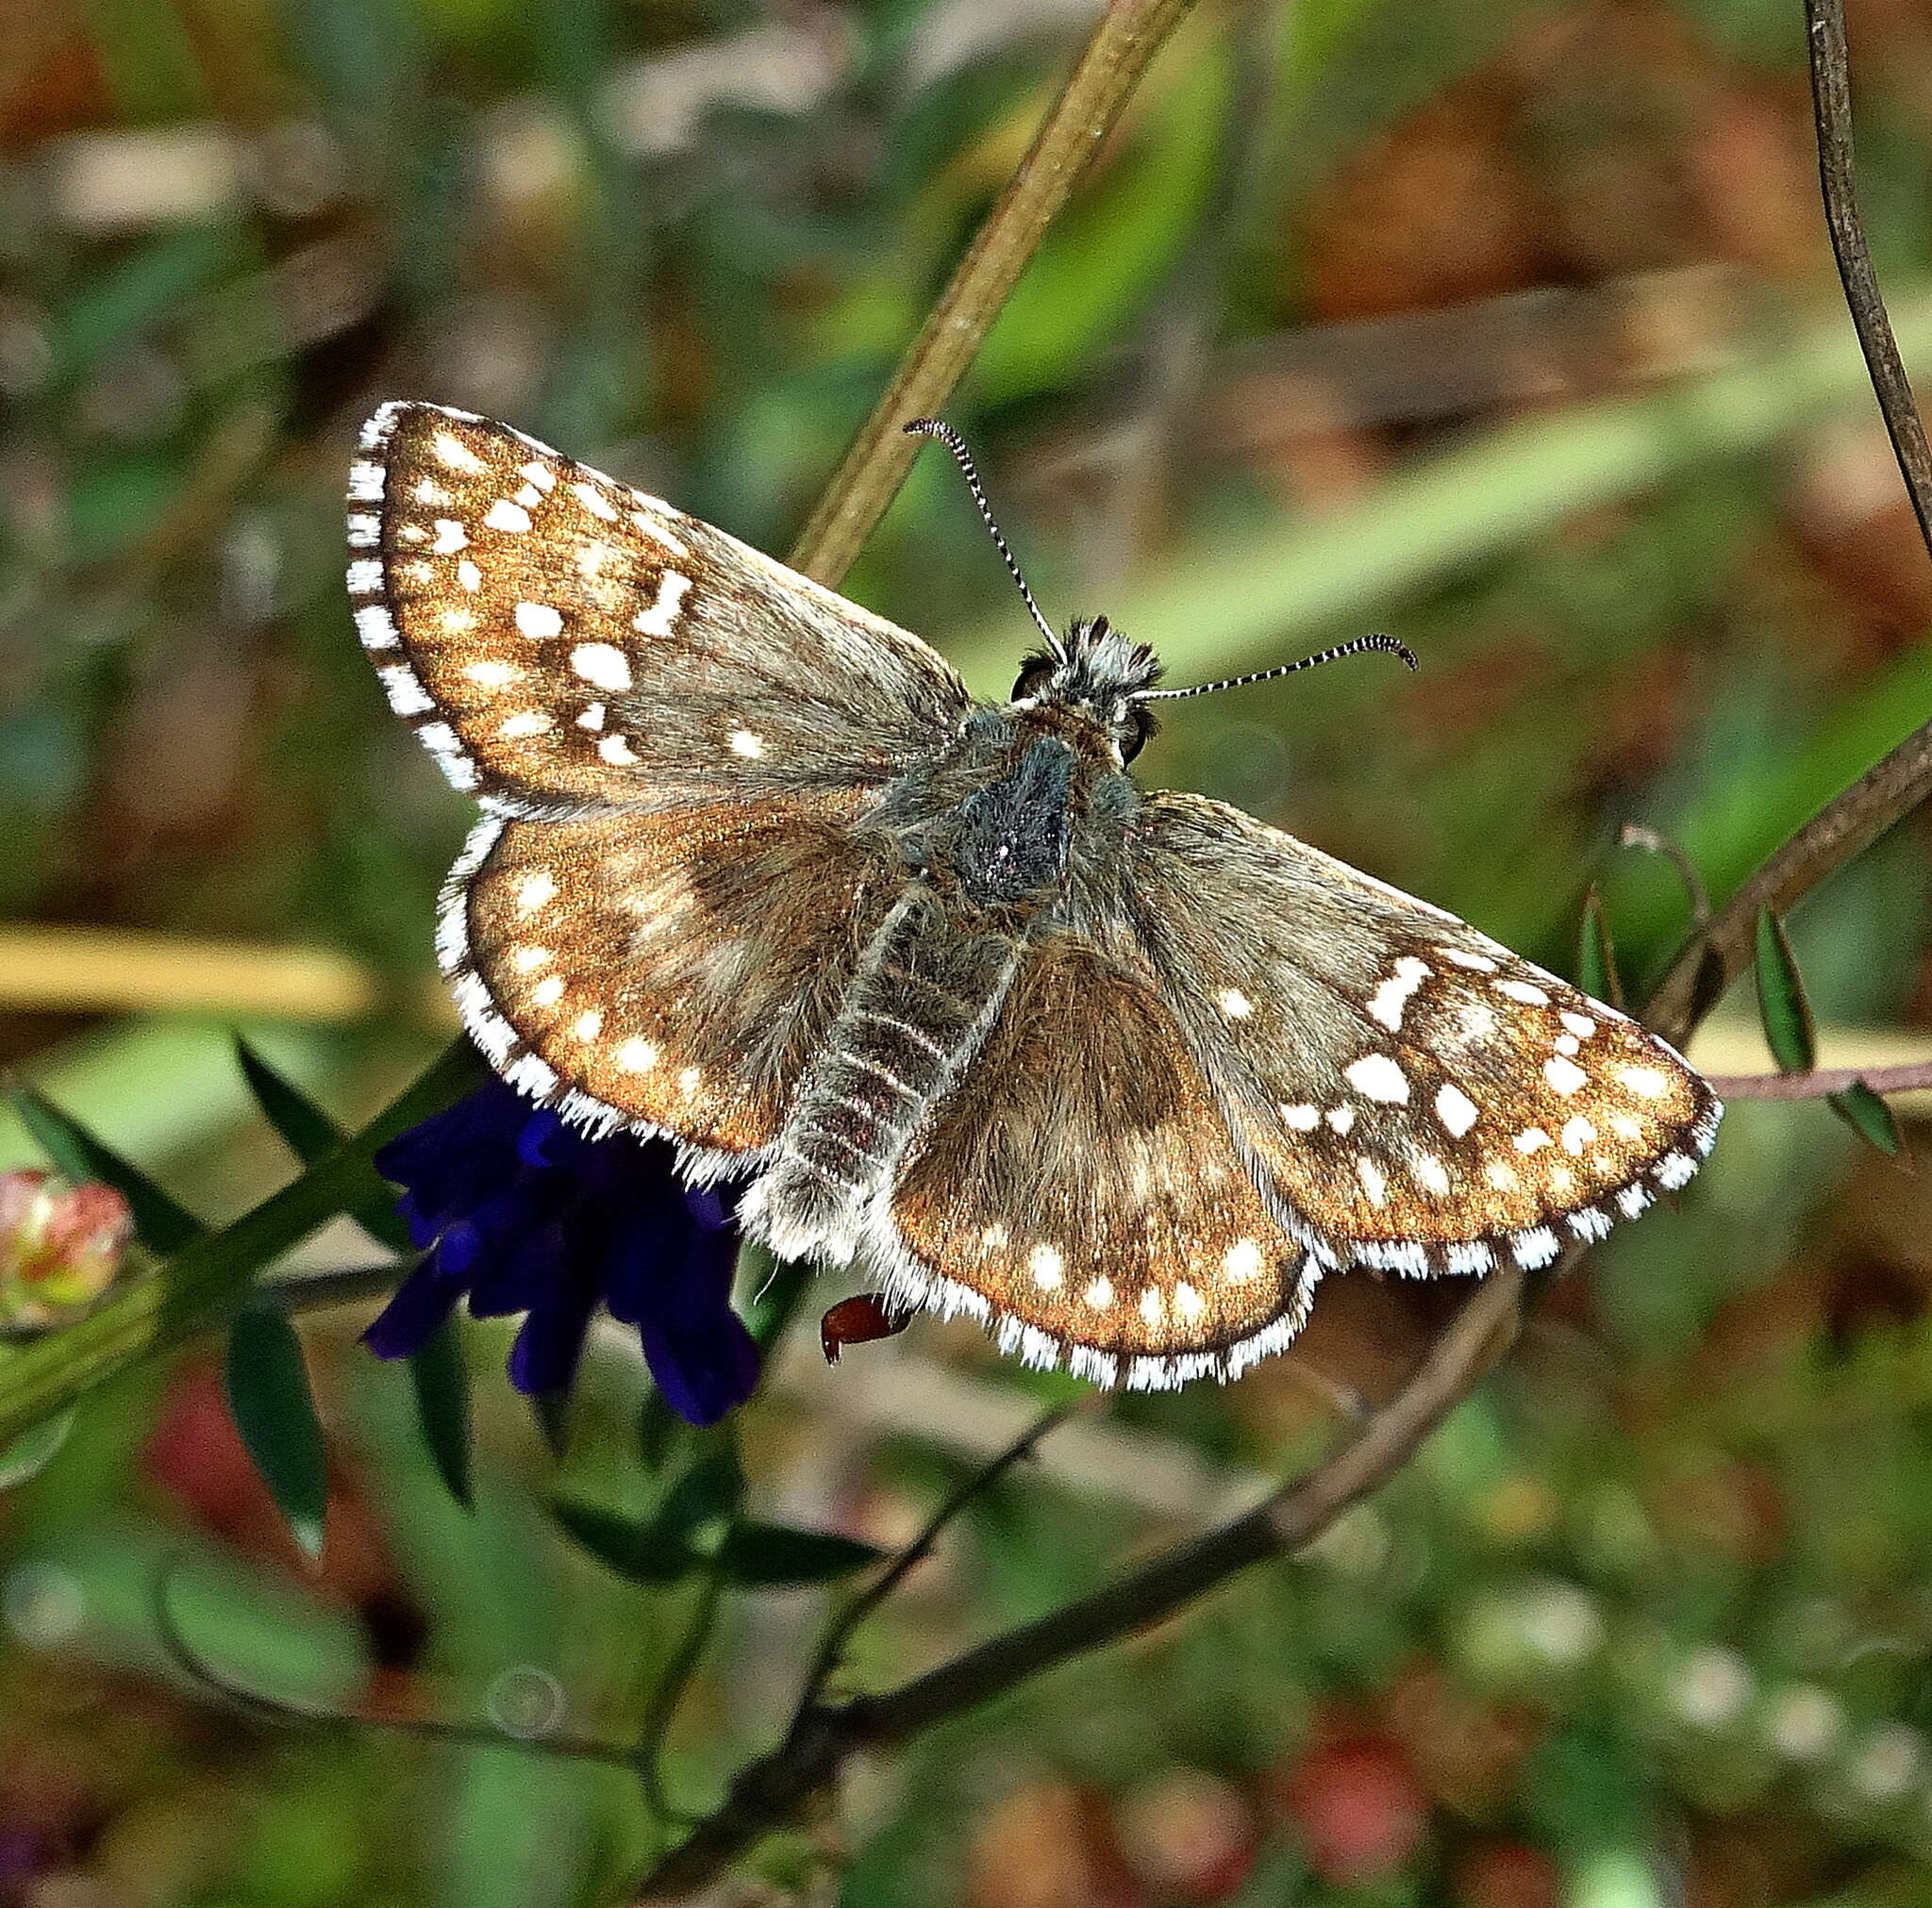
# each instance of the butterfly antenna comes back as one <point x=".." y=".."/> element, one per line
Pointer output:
<point x="1356" y="647"/>
<point x="938" y="427"/>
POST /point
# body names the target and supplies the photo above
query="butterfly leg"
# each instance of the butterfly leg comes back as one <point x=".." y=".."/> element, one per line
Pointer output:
<point x="918" y="1010"/>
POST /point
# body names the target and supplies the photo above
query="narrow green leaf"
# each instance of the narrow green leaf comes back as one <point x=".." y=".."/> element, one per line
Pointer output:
<point x="307" y="1130"/>
<point x="1869" y="1116"/>
<point x="638" y="1550"/>
<point x="773" y="1554"/>
<point x="1781" y="1002"/>
<point x="442" y="1381"/>
<point x="1596" y="955"/>
<point x="707" y="1492"/>
<point x="29" y="1455"/>
<point x="311" y="1135"/>
<point x="160" y="1222"/>
<point x="274" y="1409"/>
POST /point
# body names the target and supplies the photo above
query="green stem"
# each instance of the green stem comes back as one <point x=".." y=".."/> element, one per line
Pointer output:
<point x="874" y="465"/>
<point x="199" y="1279"/>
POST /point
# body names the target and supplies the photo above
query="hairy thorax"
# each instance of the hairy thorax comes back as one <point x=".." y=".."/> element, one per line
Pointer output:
<point x="1018" y="821"/>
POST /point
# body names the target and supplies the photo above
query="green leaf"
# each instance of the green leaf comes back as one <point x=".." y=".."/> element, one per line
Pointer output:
<point x="311" y="1135"/>
<point x="1869" y="1116"/>
<point x="1596" y="955"/>
<point x="442" y="1381"/>
<point x="638" y="1548"/>
<point x="274" y="1409"/>
<point x="160" y="1222"/>
<point x="773" y="1555"/>
<point x="29" y="1455"/>
<point x="1781" y="1002"/>
<point x="707" y="1492"/>
<point x="307" y="1130"/>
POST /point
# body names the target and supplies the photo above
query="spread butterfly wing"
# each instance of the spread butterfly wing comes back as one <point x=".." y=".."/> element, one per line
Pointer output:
<point x="667" y="972"/>
<point x="562" y="643"/>
<point x="1093" y="1210"/>
<point x="1415" y="1096"/>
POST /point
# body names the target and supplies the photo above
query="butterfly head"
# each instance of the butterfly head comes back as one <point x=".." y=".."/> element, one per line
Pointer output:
<point x="1096" y="672"/>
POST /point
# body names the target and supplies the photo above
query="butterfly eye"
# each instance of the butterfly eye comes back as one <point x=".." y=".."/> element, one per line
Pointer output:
<point x="1135" y="731"/>
<point x="1035" y="673"/>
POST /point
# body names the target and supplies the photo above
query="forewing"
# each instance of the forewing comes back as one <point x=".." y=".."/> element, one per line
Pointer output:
<point x="1417" y="1096"/>
<point x="562" y="643"/>
<point x="670" y="972"/>
<point x="1079" y="1192"/>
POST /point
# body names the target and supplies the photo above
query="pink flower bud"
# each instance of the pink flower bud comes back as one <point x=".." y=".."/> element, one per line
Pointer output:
<point x="59" y="1246"/>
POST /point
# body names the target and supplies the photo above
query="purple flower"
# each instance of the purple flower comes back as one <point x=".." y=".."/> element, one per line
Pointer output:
<point x="516" y="1211"/>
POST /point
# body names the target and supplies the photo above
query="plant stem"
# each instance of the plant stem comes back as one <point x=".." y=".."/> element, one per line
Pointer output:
<point x="770" y="1789"/>
<point x="177" y="1300"/>
<point x="1129" y="34"/>
<point x="1831" y="112"/>
<point x="1852" y="821"/>
<point x="1821" y="1082"/>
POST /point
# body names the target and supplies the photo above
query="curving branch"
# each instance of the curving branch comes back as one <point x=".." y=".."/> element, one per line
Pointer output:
<point x="1831" y="108"/>
<point x="771" y="1790"/>
<point x="1850" y="821"/>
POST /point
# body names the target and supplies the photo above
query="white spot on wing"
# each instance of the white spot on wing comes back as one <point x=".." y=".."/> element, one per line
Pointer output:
<point x="1577" y="1133"/>
<point x="1455" y="1109"/>
<point x="506" y="515"/>
<point x="1378" y="1077"/>
<point x="601" y="664"/>
<point x="637" y="1057"/>
<point x="660" y="619"/>
<point x="1523" y="990"/>
<point x="1234" y="1003"/>
<point x="451" y="538"/>
<point x="537" y="621"/>
<point x="1390" y="998"/>
<point x="595" y="502"/>
<point x="1301" y="1119"/>
<point x="617" y="751"/>
<point x="523" y="723"/>
<point x="1047" y="1265"/>
<point x="1375" y="1180"/>
<point x="1565" y="1076"/>
<point x="451" y="450"/>
<point x="1242" y="1260"/>
<point x="1430" y="1171"/>
<point x="1649" y="1082"/>
<point x="744" y="743"/>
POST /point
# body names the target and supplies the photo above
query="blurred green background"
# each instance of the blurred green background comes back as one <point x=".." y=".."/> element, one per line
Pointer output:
<point x="1505" y="328"/>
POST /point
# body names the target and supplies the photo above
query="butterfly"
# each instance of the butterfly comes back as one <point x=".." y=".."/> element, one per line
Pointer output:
<point x="1119" y="1073"/>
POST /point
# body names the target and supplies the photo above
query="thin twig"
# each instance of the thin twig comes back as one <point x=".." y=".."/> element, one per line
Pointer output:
<point x="772" y="1790"/>
<point x="1831" y="106"/>
<point x="846" y="1625"/>
<point x="1850" y="821"/>
<point x="1634" y="834"/>
<point x="874" y="465"/>
<point x="279" y="1710"/>
<point x="1821" y="1082"/>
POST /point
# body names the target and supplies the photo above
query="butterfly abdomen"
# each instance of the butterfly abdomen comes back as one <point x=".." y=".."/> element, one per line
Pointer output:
<point x="916" y="1014"/>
